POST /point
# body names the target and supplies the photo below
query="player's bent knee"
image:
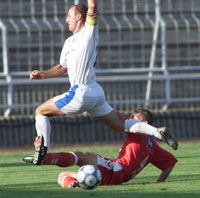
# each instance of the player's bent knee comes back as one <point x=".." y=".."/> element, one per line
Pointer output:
<point x="39" y="110"/>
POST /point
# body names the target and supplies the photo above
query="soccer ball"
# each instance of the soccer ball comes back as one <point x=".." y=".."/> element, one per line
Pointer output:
<point x="88" y="177"/>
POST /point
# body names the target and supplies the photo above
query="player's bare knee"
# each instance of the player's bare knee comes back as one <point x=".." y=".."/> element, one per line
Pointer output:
<point x="44" y="109"/>
<point x="39" y="110"/>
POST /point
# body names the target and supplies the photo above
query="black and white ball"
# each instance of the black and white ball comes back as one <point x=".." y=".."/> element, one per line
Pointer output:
<point x="88" y="177"/>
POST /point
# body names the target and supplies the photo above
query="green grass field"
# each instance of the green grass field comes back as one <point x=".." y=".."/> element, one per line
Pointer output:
<point x="18" y="180"/>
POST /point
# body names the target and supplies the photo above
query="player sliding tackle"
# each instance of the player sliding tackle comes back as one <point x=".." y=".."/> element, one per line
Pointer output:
<point x="137" y="151"/>
<point x="78" y="59"/>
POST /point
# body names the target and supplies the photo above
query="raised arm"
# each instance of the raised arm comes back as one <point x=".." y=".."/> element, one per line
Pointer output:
<point x="92" y="6"/>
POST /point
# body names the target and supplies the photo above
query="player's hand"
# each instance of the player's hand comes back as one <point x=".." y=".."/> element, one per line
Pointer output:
<point x="36" y="74"/>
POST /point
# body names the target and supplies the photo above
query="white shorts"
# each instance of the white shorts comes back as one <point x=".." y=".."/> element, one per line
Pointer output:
<point x="81" y="98"/>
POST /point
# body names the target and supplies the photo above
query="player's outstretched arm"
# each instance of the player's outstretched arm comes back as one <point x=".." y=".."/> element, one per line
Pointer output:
<point x="92" y="6"/>
<point x="163" y="176"/>
<point x="56" y="70"/>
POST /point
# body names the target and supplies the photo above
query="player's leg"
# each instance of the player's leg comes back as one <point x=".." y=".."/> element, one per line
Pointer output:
<point x="65" y="159"/>
<point x="67" y="180"/>
<point x="43" y="129"/>
<point x="42" y="123"/>
<point x="111" y="172"/>
<point x="58" y="106"/>
<point x="113" y="121"/>
<point x="64" y="104"/>
<point x="70" y="159"/>
<point x="111" y="118"/>
<point x="60" y="159"/>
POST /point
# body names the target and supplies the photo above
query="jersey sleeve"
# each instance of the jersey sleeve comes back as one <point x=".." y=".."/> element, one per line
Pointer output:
<point x="63" y="56"/>
<point x="162" y="159"/>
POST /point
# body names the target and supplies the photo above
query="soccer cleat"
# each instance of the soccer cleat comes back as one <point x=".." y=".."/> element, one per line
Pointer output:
<point x="74" y="185"/>
<point x="167" y="137"/>
<point x="28" y="159"/>
<point x="40" y="150"/>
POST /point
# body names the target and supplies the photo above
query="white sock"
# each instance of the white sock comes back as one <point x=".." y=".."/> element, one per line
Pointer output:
<point x="136" y="126"/>
<point x="43" y="128"/>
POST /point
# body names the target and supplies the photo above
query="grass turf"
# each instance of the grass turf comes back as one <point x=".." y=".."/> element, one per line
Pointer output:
<point x="18" y="180"/>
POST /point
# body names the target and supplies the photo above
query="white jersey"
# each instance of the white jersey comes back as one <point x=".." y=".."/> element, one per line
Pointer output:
<point x="79" y="53"/>
<point x="79" y="57"/>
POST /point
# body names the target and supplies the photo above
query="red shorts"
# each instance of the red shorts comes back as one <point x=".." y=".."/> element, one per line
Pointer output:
<point x="112" y="172"/>
<point x="109" y="177"/>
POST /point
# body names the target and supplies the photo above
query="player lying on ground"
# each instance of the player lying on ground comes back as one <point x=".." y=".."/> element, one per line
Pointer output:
<point x="78" y="60"/>
<point x="137" y="151"/>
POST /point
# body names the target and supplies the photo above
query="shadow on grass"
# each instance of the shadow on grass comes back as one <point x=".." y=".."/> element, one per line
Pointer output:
<point x="50" y="190"/>
<point x="173" y="178"/>
<point x="21" y="164"/>
<point x="80" y="193"/>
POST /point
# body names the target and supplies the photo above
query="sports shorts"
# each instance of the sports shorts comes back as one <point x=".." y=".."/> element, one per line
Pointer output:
<point x="83" y="98"/>
<point x="112" y="172"/>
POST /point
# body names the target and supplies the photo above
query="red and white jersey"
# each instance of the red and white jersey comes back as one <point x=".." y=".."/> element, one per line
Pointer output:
<point x="79" y="53"/>
<point x="137" y="151"/>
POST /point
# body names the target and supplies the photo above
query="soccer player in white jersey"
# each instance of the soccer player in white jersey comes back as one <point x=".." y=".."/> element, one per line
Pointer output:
<point x="78" y="59"/>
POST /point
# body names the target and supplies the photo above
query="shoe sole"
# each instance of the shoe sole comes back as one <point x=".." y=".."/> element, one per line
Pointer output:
<point x="170" y="140"/>
<point x="38" y="143"/>
<point x="28" y="159"/>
